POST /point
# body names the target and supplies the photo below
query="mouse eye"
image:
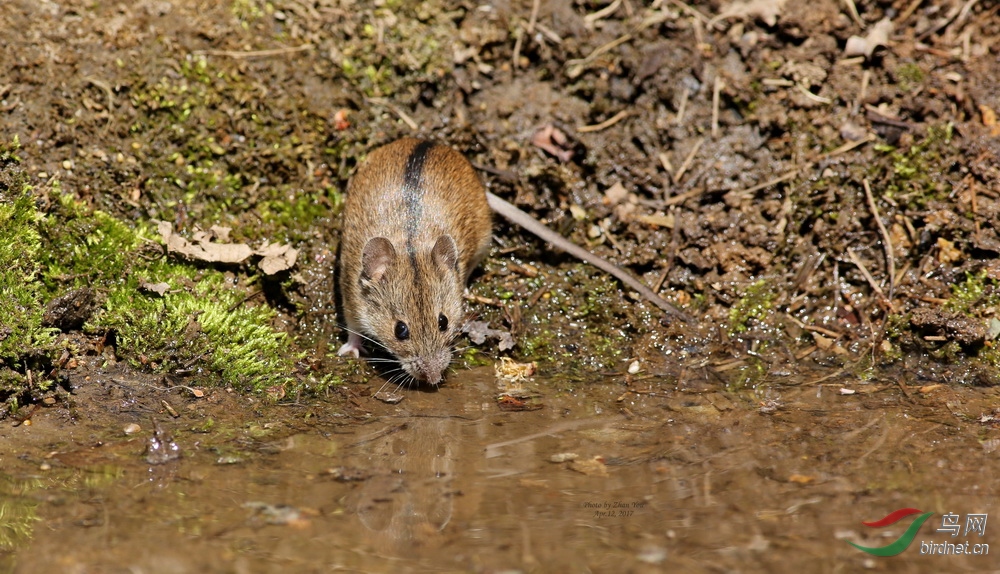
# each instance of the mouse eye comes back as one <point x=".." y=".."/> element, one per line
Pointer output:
<point x="442" y="322"/>
<point x="402" y="331"/>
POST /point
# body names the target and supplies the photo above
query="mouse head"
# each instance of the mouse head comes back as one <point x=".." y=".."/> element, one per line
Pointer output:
<point x="412" y="303"/>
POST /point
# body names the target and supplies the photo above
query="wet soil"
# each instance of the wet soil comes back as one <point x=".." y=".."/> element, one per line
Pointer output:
<point x="841" y="366"/>
<point x="619" y="475"/>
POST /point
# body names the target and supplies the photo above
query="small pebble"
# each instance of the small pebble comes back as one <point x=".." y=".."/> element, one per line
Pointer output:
<point x="563" y="457"/>
<point x="132" y="428"/>
<point x="45" y="466"/>
<point x="633" y="368"/>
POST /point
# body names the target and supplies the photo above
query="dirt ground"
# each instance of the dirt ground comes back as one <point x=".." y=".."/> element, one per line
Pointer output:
<point x="816" y="184"/>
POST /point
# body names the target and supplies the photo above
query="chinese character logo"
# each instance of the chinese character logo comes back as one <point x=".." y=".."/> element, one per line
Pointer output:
<point x="905" y="539"/>
<point x="951" y="522"/>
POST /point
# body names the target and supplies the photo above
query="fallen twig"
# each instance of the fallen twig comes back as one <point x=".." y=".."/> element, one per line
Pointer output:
<point x="890" y="260"/>
<point x="396" y="110"/>
<point x="254" y="53"/>
<point x="606" y="123"/>
<point x="868" y="276"/>
<point x="687" y="161"/>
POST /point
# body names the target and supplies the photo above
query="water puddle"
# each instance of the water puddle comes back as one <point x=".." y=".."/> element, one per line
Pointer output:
<point x="602" y="478"/>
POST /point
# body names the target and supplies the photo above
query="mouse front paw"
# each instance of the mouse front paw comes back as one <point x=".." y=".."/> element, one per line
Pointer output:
<point x="352" y="347"/>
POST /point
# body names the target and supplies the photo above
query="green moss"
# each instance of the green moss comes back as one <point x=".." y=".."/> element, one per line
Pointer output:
<point x="300" y="211"/>
<point x="909" y="77"/>
<point x="21" y="291"/>
<point x="978" y="291"/>
<point x="84" y="247"/>
<point x="247" y="11"/>
<point x="914" y="176"/>
<point x="755" y="305"/>
<point x="201" y="323"/>
<point x="950" y="352"/>
<point x="471" y="357"/>
<point x="748" y="375"/>
<point x="411" y="51"/>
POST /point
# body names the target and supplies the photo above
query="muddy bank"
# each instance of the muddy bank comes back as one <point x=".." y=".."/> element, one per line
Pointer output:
<point x="618" y="476"/>
<point x="817" y="187"/>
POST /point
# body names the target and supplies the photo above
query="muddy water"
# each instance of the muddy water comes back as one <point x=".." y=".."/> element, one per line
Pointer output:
<point x="646" y="479"/>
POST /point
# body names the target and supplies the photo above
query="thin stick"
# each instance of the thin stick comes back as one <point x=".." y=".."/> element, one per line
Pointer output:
<point x="836" y="284"/>
<point x="677" y="199"/>
<point x="665" y="162"/>
<point x="516" y="55"/>
<point x="865" y="79"/>
<point x="890" y="259"/>
<point x="520" y="33"/>
<point x="905" y="14"/>
<point x="816" y="98"/>
<point x="694" y="12"/>
<point x="849" y="146"/>
<point x="716" y="90"/>
<point x="688" y="159"/>
<point x="574" y="64"/>
<point x="682" y="107"/>
<point x="854" y="13"/>
<point x="868" y="276"/>
<point x="606" y="123"/>
<point x="398" y="111"/>
<point x="254" y="53"/>
<point x="602" y="13"/>
<point x="671" y="253"/>
<point x="533" y="226"/>
<point x="549" y="33"/>
<point x="533" y="19"/>
<point x="769" y="183"/>
<point x="107" y="91"/>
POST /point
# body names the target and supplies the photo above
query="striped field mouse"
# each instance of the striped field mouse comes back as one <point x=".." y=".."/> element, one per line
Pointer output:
<point x="416" y="224"/>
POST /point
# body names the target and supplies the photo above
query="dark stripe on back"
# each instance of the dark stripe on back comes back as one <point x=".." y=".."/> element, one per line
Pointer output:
<point x="413" y="193"/>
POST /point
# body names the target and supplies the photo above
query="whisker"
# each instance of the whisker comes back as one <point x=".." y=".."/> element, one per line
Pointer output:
<point x="372" y="340"/>
<point x="395" y="380"/>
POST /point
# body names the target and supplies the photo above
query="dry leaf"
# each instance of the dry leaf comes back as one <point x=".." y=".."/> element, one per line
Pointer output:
<point x="277" y="258"/>
<point x="877" y="36"/>
<point x="206" y="246"/>
<point x="658" y="220"/>
<point x="947" y="252"/>
<point x="479" y="331"/>
<point x="510" y="371"/>
<point x="990" y="119"/>
<point x="615" y="194"/>
<point x="766" y="10"/>
<point x="563" y="457"/>
<point x="592" y="467"/>
<point x="158" y="288"/>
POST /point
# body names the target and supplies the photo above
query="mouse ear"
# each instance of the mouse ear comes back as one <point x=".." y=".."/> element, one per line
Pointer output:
<point x="376" y="258"/>
<point x="445" y="253"/>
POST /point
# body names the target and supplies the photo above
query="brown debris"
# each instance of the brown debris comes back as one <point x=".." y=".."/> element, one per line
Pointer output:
<point x="936" y="322"/>
<point x="554" y="141"/>
<point x="210" y="246"/>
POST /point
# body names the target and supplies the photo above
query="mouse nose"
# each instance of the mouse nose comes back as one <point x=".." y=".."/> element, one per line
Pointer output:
<point x="430" y="369"/>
